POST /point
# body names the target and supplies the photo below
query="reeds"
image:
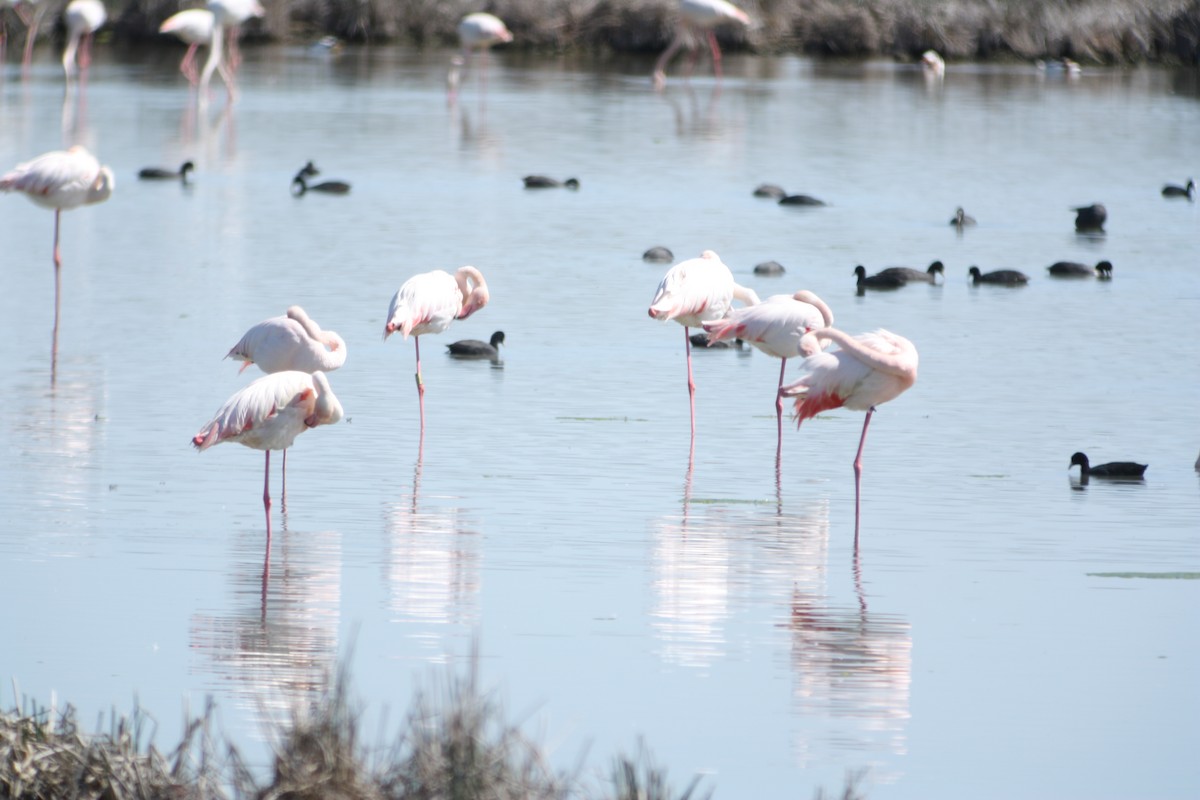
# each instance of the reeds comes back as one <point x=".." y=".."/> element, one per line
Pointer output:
<point x="1098" y="31"/>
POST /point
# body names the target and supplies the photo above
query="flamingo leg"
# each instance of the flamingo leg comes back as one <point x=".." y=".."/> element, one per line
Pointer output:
<point x="716" y="53"/>
<point x="779" y="410"/>
<point x="267" y="495"/>
<point x="57" y="295"/>
<point x="283" y="488"/>
<point x="858" y="469"/>
<point x="687" y="343"/>
<point x="188" y="65"/>
<point x="420" y="385"/>
<point x="660" y="67"/>
<point x="31" y="34"/>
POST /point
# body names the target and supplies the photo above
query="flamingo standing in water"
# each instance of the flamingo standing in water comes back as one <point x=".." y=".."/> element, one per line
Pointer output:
<point x="83" y="18"/>
<point x="228" y="16"/>
<point x="867" y="370"/>
<point x="476" y="32"/>
<point x="194" y="27"/>
<point x="269" y="414"/>
<point x="428" y="303"/>
<point x="692" y="293"/>
<point x="778" y="327"/>
<point x="62" y="180"/>
<point x="293" y="341"/>
<point x="698" y="18"/>
<point x="32" y="21"/>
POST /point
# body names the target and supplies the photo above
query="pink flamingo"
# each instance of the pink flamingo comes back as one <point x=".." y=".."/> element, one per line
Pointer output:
<point x="228" y="16"/>
<point x="476" y="32"/>
<point x="867" y="370"/>
<point x="693" y="292"/>
<point x="62" y="180"/>
<point x="777" y="327"/>
<point x="269" y="414"/>
<point x="293" y="341"/>
<point x="698" y="18"/>
<point x="32" y="21"/>
<point x="83" y="18"/>
<point x="194" y="27"/>
<point x="428" y="303"/>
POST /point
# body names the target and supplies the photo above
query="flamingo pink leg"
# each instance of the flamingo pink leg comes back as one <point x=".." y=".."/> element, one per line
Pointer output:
<point x="420" y="384"/>
<point x="779" y="407"/>
<point x="858" y="468"/>
<point x="57" y="294"/>
<point x="267" y="495"/>
<point x="687" y="343"/>
<point x="716" y="53"/>
<point x="283" y="488"/>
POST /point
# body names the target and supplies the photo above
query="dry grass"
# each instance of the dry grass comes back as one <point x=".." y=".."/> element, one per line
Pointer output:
<point x="1105" y="31"/>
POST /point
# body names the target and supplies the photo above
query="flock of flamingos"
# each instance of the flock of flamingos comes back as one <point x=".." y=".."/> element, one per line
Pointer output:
<point x="295" y="394"/>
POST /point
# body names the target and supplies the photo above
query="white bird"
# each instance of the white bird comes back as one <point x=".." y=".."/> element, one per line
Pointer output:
<point x="83" y="18"/>
<point x="428" y="303"/>
<point x="933" y="64"/>
<point x="698" y="18"/>
<point x="867" y="370"/>
<point x="228" y="16"/>
<point x="777" y="327"/>
<point x="62" y="180"/>
<point x="269" y="414"/>
<point x="194" y="27"/>
<point x="476" y="32"/>
<point x="693" y="292"/>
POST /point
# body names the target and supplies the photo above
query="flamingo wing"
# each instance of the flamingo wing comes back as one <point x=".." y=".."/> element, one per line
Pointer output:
<point x="774" y="326"/>
<point x="425" y="303"/>
<point x="266" y="415"/>
<point x="694" y="291"/>
<point x="58" y="179"/>
<point x="194" y="26"/>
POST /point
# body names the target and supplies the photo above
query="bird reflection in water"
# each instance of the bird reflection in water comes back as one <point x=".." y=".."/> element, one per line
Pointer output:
<point x="275" y="642"/>
<point x="692" y="119"/>
<point x="431" y="569"/>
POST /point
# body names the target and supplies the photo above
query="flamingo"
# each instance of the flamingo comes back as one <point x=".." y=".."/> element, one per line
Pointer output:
<point x="62" y="180"/>
<point x="1113" y="469"/>
<point x="698" y="17"/>
<point x="693" y="292"/>
<point x="866" y="371"/>
<point x="473" y="348"/>
<point x="228" y="15"/>
<point x="428" y="303"/>
<point x="778" y="327"/>
<point x="195" y="27"/>
<point x="476" y="32"/>
<point x="293" y="341"/>
<point x="32" y="21"/>
<point x="269" y="414"/>
<point x="83" y="18"/>
<point x="933" y="64"/>
<point x="999" y="277"/>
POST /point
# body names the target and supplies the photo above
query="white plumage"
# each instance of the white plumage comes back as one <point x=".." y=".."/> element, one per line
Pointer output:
<point x="293" y="341"/>
<point x="272" y="411"/>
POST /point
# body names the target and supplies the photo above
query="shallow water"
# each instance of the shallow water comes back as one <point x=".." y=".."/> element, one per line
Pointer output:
<point x="720" y="612"/>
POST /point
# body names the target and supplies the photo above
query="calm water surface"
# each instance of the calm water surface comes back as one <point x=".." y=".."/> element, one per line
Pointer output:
<point x="715" y="607"/>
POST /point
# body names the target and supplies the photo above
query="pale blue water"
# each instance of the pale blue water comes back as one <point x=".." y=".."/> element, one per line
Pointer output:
<point x="718" y="613"/>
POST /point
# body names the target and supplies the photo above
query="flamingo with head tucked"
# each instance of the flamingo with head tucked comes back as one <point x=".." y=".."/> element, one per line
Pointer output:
<point x="428" y="303"/>
<point x="62" y="180"/>
<point x="269" y="414"/>
<point x="778" y="327"/>
<point x="693" y="292"/>
<point x="698" y="18"/>
<point x="866" y="370"/>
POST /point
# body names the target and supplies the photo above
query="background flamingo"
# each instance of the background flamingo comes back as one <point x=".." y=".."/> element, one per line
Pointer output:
<point x="476" y="32"/>
<point x="62" y="180"/>
<point x="269" y="414"/>
<point x="428" y="303"/>
<point x="867" y="370"/>
<point x="777" y="327"/>
<point x="33" y="21"/>
<point x="82" y="18"/>
<point x="693" y="292"/>
<point x="194" y="27"/>
<point x="698" y="18"/>
<point x="228" y="16"/>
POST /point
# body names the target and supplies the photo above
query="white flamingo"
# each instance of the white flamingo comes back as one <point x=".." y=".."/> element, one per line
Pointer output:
<point x="194" y="27"/>
<point x="61" y="180"/>
<point x="476" y="32"/>
<point x="428" y="303"/>
<point x="698" y="18"/>
<point x="693" y="292"/>
<point x="866" y="370"/>
<point x="83" y="18"/>
<point x="777" y="327"/>
<point x="228" y="16"/>
<point x="269" y="414"/>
